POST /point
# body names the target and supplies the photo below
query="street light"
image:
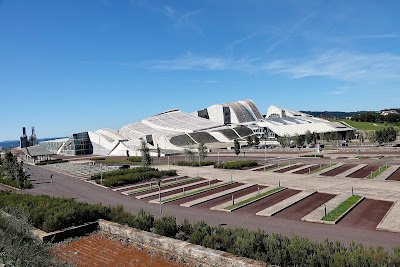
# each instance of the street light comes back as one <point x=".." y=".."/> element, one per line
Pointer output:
<point x="52" y="186"/>
<point x="159" y="194"/>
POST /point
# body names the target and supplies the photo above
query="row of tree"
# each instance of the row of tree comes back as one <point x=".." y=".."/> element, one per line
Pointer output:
<point x="13" y="170"/>
<point x="386" y="135"/>
<point x="312" y="138"/>
<point x="376" y="117"/>
<point x="201" y="154"/>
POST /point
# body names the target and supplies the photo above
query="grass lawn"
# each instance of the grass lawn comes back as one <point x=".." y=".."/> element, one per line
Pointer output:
<point x="195" y="192"/>
<point x="378" y="171"/>
<point x="369" y="125"/>
<point x="155" y="186"/>
<point x="249" y="200"/>
<point x="342" y="208"/>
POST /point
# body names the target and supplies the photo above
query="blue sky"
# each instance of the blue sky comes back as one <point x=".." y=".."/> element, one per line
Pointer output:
<point x="68" y="66"/>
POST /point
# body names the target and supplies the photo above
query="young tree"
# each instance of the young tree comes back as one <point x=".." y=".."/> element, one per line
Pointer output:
<point x="256" y="140"/>
<point x="237" y="147"/>
<point x="284" y="140"/>
<point x="298" y="140"/>
<point x="308" y="137"/>
<point x="202" y="151"/>
<point x="189" y="155"/>
<point x="158" y="153"/>
<point x="250" y="141"/>
<point x="145" y="152"/>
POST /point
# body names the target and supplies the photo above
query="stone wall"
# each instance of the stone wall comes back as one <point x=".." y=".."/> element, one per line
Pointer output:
<point x="181" y="249"/>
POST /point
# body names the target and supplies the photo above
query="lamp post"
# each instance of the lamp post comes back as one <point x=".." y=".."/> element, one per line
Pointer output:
<point x="52" y="186"/>
<point x="159" y="194"/>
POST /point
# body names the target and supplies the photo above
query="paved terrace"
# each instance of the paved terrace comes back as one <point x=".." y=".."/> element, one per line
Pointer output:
<point x="374" y="188"/>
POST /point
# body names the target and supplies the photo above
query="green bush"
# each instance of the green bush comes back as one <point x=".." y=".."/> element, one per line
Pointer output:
<point x="134" y="178"/>
<point x="14" y="183"/>
<point x="194" y="163"/>
<point x="19" y="247"/>
<point x="238" y="165"/>
<point x="166" y="226"/>
<point x="135" y="159"/>
<point x="312" y="156"/>
<point x="122" y="172"/>
<point x="52" y="161"/>
<point x="273" y="249"/>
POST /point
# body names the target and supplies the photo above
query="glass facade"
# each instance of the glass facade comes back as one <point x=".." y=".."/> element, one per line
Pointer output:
<point x="78" y="144"/>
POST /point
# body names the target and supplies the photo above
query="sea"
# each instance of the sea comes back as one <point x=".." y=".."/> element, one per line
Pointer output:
<point x="15" y="143"/>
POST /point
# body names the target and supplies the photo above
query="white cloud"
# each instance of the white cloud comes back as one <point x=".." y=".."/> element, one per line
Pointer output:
<point x="190" y="62"/>
<point x="341" y="66"/>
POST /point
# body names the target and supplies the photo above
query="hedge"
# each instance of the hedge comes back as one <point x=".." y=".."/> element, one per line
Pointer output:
<point x="15" y="183"/>
<point x="122" y="172"/>
<point x="236" y="164"/>
<point x="52" y="161"/>
<point x="194" y="163"/>
<point x="134" y="178"/>
<point x="273" y="249"/>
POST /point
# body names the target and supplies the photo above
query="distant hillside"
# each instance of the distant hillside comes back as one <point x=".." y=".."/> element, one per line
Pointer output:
<point x="15" y="143"/>
<point x="333" y="114"/>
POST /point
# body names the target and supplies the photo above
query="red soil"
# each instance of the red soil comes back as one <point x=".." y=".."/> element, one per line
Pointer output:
<point x="101" y="250"/>
<point x="366" y="214"/>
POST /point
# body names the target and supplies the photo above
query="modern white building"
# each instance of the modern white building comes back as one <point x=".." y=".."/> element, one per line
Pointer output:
<point x="174" y="130"/>
<point x="231" y="113"/>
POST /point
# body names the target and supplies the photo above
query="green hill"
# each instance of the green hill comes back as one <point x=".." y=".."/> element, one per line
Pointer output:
<point x="368" y="126"/>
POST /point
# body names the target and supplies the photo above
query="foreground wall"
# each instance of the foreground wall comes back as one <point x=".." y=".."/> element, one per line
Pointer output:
<point x="205" y="256"/>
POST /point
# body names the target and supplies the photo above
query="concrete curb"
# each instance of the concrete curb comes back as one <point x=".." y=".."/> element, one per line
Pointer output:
<point x="11" y="187"/>
<point x="286" y="203"/>
<point x="341" y="216"/>
<point x="96" y="184"/>
<point x="223" y="206"/>
<point x="329" y="169"/>
<point x="167" y="190"/>
<point x="145" y="183"/>
<point x="390" y="222"/>
<point x="188" y="193"/>
<point x="216" y="195"/>
<point x="351" y="171"/>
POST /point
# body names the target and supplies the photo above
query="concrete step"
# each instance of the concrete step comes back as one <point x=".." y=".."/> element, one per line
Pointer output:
<point x="270" y="211"/>
<point x="216" y="195"/>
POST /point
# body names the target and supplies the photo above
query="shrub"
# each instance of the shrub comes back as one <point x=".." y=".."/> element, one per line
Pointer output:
<point x="313" y="156"/>
<point x="122" y="172"/>
<point x="166" y="226"/>
<point x="19" y="247"/>
<point x="194" y="163"/>
<point x="135" y="178"/>
<point x="52" y="161"/>
<point x="236" y="164"/>
<point x="135" y="159"/>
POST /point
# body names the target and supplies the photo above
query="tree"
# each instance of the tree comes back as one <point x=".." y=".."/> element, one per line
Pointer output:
<point x="256" y="140"/>
<point x="202" y="151"/>
<point x="308" y="137"/>
<point x="284" y="140"/>
<point x="250" y="141"/>
<point x="237" y="147"/>
<point x="145" y="152"/>
<point x="298" y="139"/>
<point x="189" y="155"/>
<point x="158" y="151"/>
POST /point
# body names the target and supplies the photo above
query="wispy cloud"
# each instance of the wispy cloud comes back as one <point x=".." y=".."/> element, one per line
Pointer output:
<point x="190" y="62"/>
<point x="290" y="32"/>
<point x="341" y="66"/>
<point x="339" y="91"/>
<point x="182" y="19"/>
